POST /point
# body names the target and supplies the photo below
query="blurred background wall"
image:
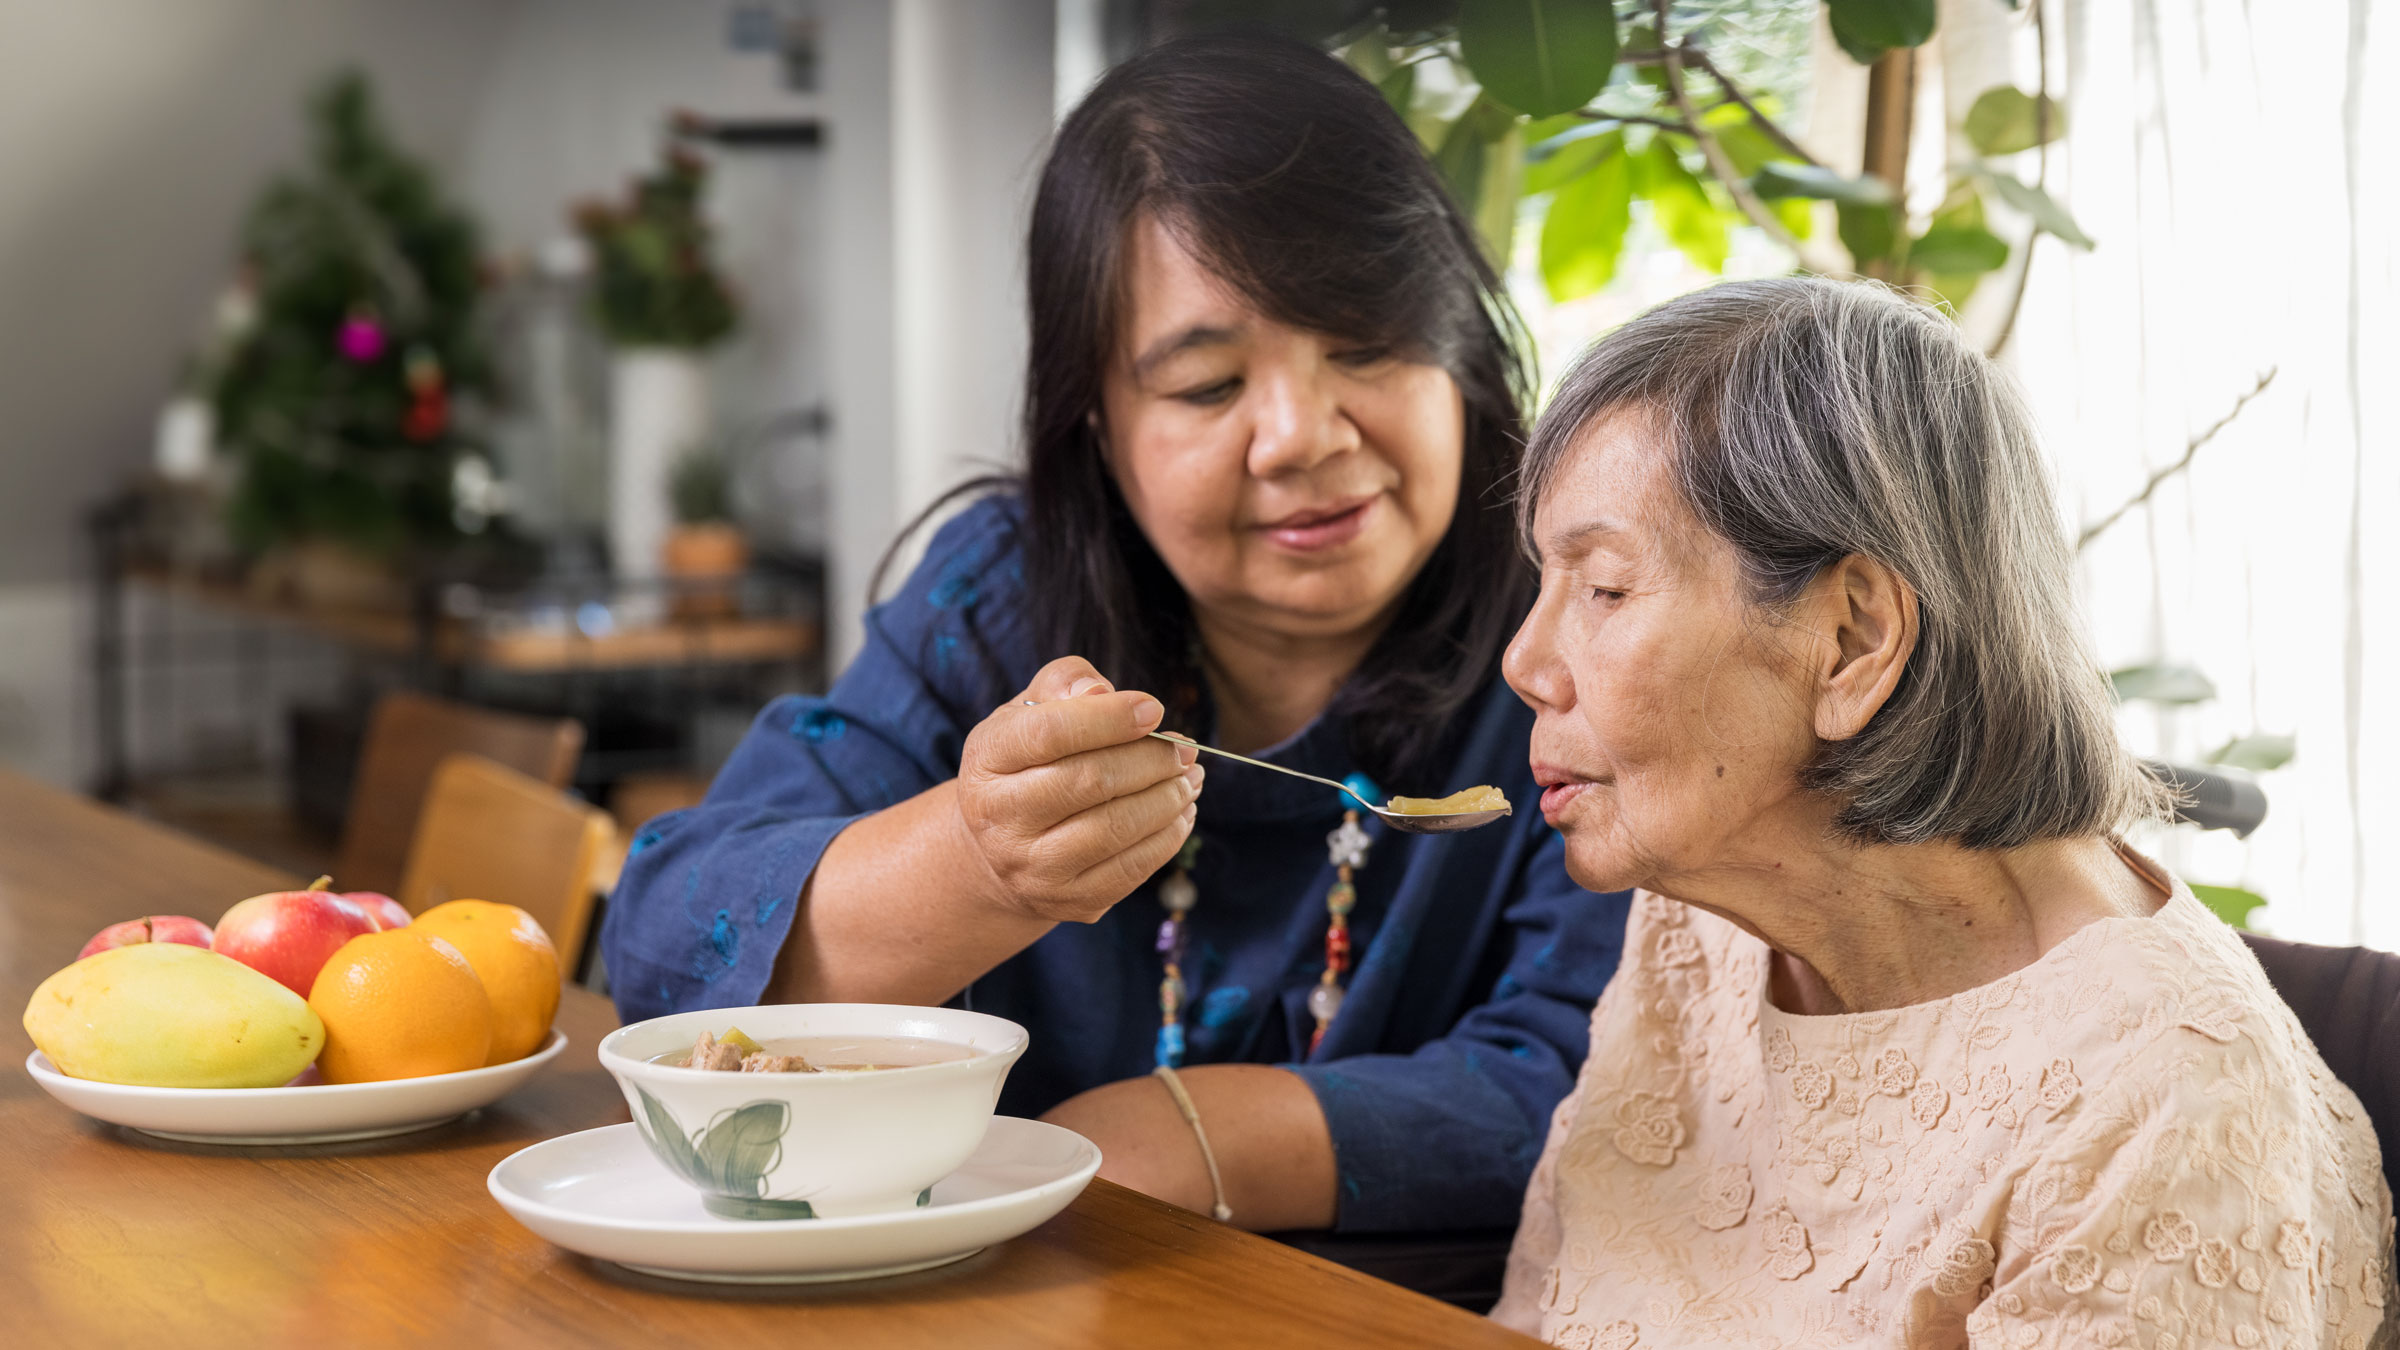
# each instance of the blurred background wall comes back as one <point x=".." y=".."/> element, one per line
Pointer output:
<point x="132" y="137"/>
<point x="879" y="276"/>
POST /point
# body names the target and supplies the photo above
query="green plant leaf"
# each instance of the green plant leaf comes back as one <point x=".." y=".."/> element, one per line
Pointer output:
<point x="2172" y="685"/>
<point x="1869" y="28"/>
<point x="741" y="1146"/>
<point x="2230" y="903"/>
<point x="1561" y="127"/>
<point x="1584" y="232"/>
<point x="1952" y="290"/>
<point x="1954" y="250"/>
<point x="1961" y="211"/>
<point x="1781" y="179"/>
<point x="1681" y="206"/>
<point x="1482" y="159"/>
<point x="1539" y="56"/>
<point x="1460" y="158"/>
<point x="1739" y="137"/>
<point x="1751" y="149"/>
<point x="1495" y="210"/>
<point x="1399" y="88"/>
<point x="668" y="1141"/>
<point x="1559" y="166"/>
<point x="2006" y="120"/>
<point x="2044" y="209"/>
<point x="2257" y="752"/>
<point x="1869" y="231"/>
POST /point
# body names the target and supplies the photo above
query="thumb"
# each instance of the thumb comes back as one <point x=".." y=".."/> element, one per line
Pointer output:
<point x="1066" y="677"/>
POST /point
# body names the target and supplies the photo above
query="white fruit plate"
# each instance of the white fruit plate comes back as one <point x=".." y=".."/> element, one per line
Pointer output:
<point x="306" y="1112"/>
<point x="601" y="1192"/>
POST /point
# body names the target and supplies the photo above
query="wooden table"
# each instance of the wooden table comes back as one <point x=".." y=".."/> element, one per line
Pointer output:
<point x="108" y="1237"/>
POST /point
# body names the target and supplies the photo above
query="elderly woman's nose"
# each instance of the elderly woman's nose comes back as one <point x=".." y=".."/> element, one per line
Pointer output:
<point x="1532" y="664"/>
<point x="1300" y="423"/>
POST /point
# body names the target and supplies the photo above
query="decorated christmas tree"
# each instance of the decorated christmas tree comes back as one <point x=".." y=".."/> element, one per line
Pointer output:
<point x="338" y="397"/>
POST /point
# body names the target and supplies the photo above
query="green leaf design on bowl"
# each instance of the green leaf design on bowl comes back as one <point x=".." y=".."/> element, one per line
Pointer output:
<point x="730" y="1157"/>
<point x="725" y="1207"/>
<point x="667" y="1139"/>
<point x="741" y="1146"/>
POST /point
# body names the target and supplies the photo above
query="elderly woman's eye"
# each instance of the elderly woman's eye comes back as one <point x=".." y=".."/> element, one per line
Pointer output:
<point x="1603" y="593"/>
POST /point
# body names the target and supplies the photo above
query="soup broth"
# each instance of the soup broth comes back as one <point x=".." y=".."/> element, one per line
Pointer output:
<point x="817" y="1054"/>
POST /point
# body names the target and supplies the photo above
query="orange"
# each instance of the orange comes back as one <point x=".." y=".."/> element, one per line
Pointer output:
<point x="518" y="965"/>
<point x="400" y="1004"/>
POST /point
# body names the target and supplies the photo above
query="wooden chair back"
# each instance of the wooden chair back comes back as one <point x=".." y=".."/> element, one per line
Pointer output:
<point x="407" y="736"/>
<point x="489" y="832"/>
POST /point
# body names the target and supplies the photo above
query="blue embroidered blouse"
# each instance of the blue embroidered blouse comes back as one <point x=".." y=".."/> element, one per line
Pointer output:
<point x="1467" y="1014"/>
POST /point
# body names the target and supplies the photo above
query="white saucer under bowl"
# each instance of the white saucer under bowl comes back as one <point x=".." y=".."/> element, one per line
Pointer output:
<point x="313" y="1113"/>
<point x="601" y="1192"/>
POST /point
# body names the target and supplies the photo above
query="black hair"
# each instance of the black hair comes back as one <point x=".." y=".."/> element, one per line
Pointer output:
<point x="1294" y="181"/>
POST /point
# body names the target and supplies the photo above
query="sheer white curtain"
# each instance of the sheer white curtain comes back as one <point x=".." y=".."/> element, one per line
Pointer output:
<point x="2238" y="163"/>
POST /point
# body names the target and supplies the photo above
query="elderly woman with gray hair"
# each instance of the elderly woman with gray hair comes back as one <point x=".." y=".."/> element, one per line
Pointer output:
<point x="1907" y="1048"/>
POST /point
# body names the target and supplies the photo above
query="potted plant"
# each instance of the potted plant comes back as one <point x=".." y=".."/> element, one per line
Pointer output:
<point x="706" y="551"/>
<point x="658" y="298"/>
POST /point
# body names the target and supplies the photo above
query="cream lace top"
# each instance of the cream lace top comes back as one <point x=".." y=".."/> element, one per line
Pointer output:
<point x="2130" y="1142"/>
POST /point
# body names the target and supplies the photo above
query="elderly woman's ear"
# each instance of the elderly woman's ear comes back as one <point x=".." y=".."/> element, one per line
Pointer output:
<point x="1867" y="618"/>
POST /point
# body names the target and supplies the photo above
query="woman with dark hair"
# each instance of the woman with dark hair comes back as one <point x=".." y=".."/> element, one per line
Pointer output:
<point x="1270" y="420"/>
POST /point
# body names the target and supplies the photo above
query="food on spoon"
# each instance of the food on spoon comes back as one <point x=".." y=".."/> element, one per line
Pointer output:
<point x="514" y="959"/>
<point x="287" y="935"/>
<point x="156" y="928"/>
<point x="1473" y="799"/>
<point x="400" y="1004"/>
<point x="736" y="1053"/>
<point x="171" y="1014"/>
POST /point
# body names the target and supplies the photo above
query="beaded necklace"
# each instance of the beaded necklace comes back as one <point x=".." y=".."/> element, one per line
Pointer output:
<point x="1346" y="849"/>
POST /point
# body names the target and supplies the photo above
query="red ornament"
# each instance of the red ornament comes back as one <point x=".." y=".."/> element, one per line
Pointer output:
<point x="1337" y="948"/>
<point x="428" y="415"/>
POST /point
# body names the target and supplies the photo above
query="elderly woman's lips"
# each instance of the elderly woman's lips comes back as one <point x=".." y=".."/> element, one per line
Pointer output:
<point x="1323" y="528"/>
<point x="1557" y="796"/>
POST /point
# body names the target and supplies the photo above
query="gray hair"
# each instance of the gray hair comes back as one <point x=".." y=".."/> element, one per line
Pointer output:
<point x="1813" y="420"/>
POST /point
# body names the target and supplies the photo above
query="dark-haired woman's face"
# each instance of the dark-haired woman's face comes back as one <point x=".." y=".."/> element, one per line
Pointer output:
<point x="1291" y="481"/>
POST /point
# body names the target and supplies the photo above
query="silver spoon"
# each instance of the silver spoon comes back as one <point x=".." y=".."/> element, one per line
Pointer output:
<point x="1448" y="822"/>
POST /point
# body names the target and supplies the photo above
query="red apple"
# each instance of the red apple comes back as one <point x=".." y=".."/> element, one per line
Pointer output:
<point x="156" y="928"/>
<point x="288" y="935"/>
<point x="388" y="912"/>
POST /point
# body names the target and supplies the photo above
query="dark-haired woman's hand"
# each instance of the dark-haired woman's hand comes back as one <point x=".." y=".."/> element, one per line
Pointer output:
<point x="1068" y="803"/>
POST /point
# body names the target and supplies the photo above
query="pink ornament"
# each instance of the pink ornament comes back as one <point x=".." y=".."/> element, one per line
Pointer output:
<point x="360" y="338"/>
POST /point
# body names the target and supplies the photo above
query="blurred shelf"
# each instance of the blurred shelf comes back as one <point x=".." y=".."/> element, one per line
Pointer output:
<point x="499" y="643"/>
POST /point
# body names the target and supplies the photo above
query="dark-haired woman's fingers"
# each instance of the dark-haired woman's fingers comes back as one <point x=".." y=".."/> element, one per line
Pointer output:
<point x="1085" y="865"/>
<point x="1043" y="871"/>
<point x="1017" y="738"/>
<point x="1120" y="874"/>
<point x="1053" y="792"/>
<point x="1066" y="677"/>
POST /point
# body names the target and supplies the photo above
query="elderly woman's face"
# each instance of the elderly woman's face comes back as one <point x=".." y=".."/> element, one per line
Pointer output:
<point x="1669" y="714"/>
<point x="1290" y="481"/>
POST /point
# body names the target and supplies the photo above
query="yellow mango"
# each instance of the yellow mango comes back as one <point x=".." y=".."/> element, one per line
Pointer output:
<point x="163" y="1014"/>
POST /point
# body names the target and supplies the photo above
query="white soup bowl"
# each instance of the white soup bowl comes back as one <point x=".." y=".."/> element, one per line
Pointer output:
<point x="813" y="1145"/>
